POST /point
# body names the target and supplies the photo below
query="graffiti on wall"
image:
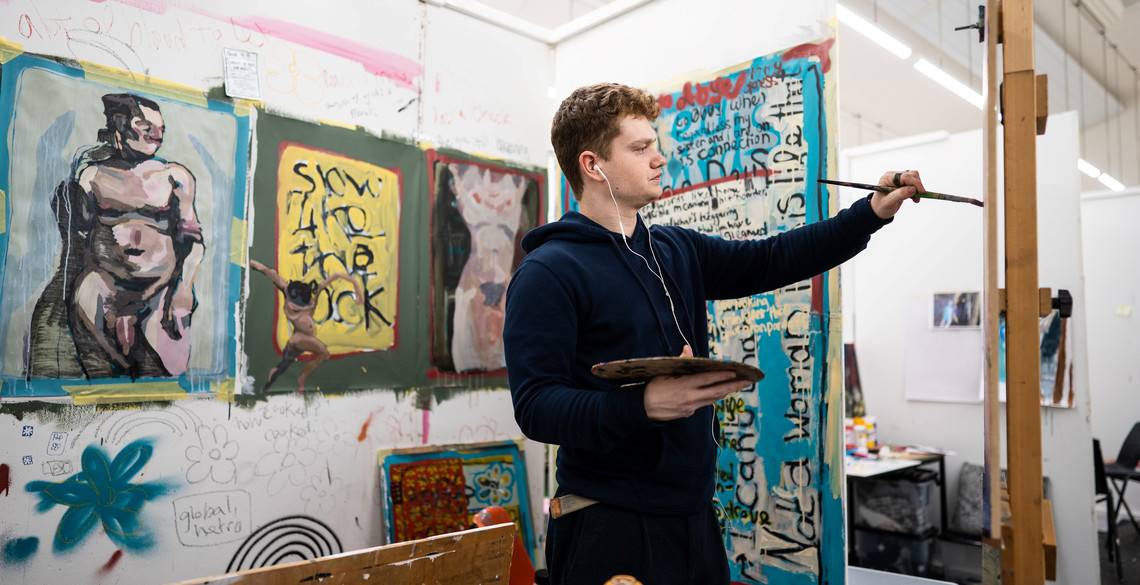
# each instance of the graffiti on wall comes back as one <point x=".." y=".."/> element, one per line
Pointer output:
<point x="743" y="150"/>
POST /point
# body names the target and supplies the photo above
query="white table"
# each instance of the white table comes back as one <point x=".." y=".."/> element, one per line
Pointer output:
<point x="861" y="576"/>
<point x="856" y="467"/>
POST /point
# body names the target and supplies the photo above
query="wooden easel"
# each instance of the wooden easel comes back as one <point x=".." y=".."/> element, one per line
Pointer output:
<point x="480" y="555"/>
<point x="1024" y="109"/>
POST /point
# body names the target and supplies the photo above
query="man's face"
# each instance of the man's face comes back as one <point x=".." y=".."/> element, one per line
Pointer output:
<point x="635" y="165"/>
<point x="147" y="129"/>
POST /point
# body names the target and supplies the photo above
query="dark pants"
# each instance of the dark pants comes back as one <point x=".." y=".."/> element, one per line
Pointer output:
<point x="590" y="546"/>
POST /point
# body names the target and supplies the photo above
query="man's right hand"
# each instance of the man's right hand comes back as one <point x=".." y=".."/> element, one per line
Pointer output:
<point x="674" y="397"/>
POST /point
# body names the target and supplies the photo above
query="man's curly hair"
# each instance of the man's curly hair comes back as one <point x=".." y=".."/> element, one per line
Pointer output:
<point x="589" y="119"/>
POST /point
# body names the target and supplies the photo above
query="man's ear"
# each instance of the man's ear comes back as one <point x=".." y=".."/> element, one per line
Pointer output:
<point x="589" y="163"/>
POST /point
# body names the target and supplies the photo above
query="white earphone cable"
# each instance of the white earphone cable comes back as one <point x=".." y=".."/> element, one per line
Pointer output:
<point x="660" y="276"/>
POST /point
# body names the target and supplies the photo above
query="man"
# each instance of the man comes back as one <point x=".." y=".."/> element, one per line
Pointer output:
<point x="122" y="298"/>
<point x="596" y="287"/>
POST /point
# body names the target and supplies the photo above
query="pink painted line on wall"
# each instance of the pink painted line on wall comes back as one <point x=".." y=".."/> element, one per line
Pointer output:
<point x="155" y="6"/>
<point x="398" y="68"/>
<point x="426" y="425"/>
<point x="402" y="70"/>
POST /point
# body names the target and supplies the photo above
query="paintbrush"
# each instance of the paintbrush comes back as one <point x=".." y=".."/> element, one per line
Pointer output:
<point x="926" y="195"/>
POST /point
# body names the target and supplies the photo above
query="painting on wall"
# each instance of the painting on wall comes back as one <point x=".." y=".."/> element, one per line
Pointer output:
<point x="956" y="310"/>
<point x="480" y="212"/>
<point x="743" y="150"/>
<point x="435" y="490"/>
<point x="123" y="202"/>
<point x="329" y="248"/>
<point x="1057" y="364"/>
<point x="854" y="404"/>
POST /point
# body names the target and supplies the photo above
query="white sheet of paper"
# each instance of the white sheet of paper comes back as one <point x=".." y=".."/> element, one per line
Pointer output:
<point x="941" y="365"/>
<point x="241" y="74"/>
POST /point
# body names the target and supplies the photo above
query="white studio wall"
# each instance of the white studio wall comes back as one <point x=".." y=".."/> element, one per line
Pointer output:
<point x="1113" y="287"/>
<point x="709" y="37"/>
<point x="923" y="385"/>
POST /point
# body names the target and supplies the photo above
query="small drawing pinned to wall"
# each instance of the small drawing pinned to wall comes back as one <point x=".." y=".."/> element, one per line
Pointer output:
<point x="957" y="310"/>
<point x="27" y="459"/>
<point x="26" y="431"/>
<point x="56" y="443"/>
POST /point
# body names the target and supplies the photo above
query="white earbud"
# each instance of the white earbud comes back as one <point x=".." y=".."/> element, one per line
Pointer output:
<point x="602" y="173"/>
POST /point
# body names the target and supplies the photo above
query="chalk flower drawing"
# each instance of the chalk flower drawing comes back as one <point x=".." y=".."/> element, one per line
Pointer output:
<point x="213" y="457"/>
<point x="319" y="495"/>
<point x="494" y="485"/>
<point x="103" y="492"/>
<point x="286" y="464"/>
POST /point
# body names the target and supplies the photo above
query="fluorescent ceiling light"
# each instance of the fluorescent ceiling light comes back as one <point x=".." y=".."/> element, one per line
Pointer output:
<point x="1085" y="167"/>
<point x="1107" y="180"/>
<point x="946" y="80"/>
<point x="869" y="30"/>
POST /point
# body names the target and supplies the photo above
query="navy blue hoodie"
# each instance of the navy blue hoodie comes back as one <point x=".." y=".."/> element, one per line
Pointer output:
<point x="580" y="298"/>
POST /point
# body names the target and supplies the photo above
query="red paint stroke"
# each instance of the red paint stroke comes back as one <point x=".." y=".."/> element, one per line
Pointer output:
<point x="110" y="564"/>
<point x="400" y="69"/>
<point x="364" y="429"/>
<point x="5" y="478"/>
<point x="817" y="294"/>
<point x="821" y="51"/>
<point x="757" y="172"/>
<point x="426" y="425"/>
<point x="703" y="94"/>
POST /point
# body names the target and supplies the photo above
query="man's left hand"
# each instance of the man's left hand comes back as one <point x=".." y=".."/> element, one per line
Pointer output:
<point x="905" y="185"/>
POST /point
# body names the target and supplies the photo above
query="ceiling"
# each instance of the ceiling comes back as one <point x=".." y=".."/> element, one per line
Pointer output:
<point x="884" y="97"/>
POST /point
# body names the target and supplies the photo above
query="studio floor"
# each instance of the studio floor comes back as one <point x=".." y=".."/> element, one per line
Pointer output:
<point x="1129" y="552"/>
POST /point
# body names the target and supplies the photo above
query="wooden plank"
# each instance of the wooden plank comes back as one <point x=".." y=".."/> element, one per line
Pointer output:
<point x="480" y="555"/>
<point x="991" y="296"/>
<point x="1017" y="36"/>
<point x="1048" y="537"/>
<point x="1044" y="302"/>
<point x="1023" y="356"/>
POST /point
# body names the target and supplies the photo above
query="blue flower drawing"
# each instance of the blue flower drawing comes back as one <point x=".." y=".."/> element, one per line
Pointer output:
<point x="494" y="485"/>
<point x="103" y="492"/>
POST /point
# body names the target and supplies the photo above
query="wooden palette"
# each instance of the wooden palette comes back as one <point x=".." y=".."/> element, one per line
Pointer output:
<point x="643" y="369"/>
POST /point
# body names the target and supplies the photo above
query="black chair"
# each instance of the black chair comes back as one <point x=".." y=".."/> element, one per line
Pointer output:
<point x="1112" y="542"/>
<point x="1123" y="471"/>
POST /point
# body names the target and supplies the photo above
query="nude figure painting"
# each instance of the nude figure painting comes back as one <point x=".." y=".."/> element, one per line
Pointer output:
<point x="116" y="262"/>
<point x="480" y="212"/>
